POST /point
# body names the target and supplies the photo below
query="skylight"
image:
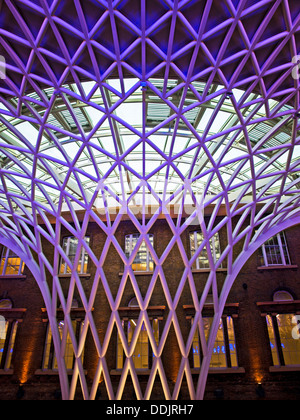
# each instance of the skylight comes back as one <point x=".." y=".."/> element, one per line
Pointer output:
<point x="105" y="139"/>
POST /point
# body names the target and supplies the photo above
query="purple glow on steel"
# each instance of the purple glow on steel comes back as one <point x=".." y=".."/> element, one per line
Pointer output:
<point x="224" y="57"/>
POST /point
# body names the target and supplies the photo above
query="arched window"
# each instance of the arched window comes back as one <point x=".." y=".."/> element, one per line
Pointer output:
<point x="285" y="349"/>
<point x="6" y="304"/>
<point x="282" y="296"/>
<point x="133" y="303"/>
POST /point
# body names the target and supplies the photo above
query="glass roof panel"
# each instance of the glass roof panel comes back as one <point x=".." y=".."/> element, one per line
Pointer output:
<point x="105" y="137"/>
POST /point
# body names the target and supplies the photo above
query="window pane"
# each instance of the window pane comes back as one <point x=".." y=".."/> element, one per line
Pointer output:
<point x="155" y="326"/>
<point x="196" y="240"/>
<point x="143" y="260"/>
<point x="219" y="359"/>
<point x="219" y="352"/>
<point x="69" y="354"/>
<point x="273" y="343"/>
<point x="275" y="251"/>
<point x="120" y="353"/>
<point x="196" y="350"/>
<point x="285" y="248"/>
<point x="83" y="266"/>
<point x="50" y="360"/>
<point x="231" y="339"/>
<point x="11" y="264"/>
<point x="141" y="352"/>
<point x="64" y="268"/>
<point x="290" y="347"/>
<point x="47" y="354"/>
<point x="8" y="364"/>
<point x="2" y="266"/>
<point x="70" y="247"/>
<point x="282" y="296"/>
<point x="3" y="334"/>
<point x="156" y="330"/>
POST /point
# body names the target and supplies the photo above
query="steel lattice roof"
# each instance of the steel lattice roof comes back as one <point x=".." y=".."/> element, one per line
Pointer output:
<point x="121" y="103"/>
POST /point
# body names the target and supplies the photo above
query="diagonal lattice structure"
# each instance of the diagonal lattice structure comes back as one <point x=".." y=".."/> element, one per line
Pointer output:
<point x="175" y="108"/>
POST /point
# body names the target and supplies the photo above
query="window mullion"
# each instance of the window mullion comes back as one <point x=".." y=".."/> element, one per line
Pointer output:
<point x="5" y="261"/>
<point x="7" y="343"/>
<point x="82" y="260"/>
<point x="196" y="249"/>
<point x="11" y="341"/>
<point x="67" y="254"/>
<point x="278" y="341"/>
<point x="213" y="245"/>
<point x="281" y="249"/>
<point x="265" y="255"/>
<point x="226" y="341"/>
